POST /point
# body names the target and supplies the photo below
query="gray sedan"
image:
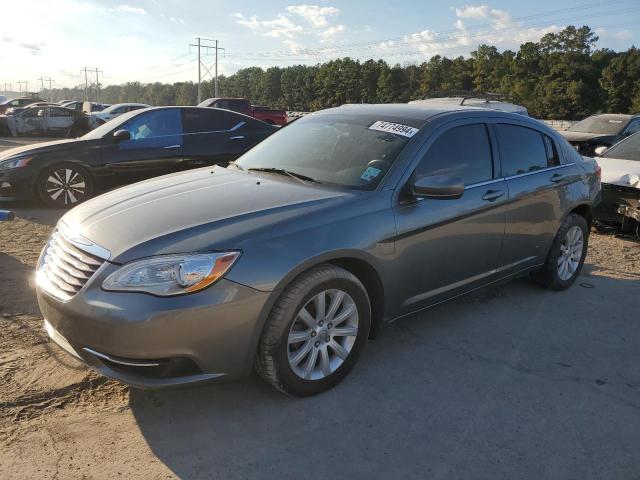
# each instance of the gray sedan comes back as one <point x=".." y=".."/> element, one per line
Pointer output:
<point x="292" y="257"/>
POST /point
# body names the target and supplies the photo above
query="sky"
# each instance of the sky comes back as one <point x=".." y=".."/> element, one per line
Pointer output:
<point x="148" y="40"/>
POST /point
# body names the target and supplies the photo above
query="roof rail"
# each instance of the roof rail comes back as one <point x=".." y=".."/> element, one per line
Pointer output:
<point x="466" y="95"/>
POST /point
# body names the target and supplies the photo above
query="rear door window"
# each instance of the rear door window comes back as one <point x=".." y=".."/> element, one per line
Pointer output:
<point x="463" y="152"/>
<point x="203" y="120"/>
<point x="522" y="149"/>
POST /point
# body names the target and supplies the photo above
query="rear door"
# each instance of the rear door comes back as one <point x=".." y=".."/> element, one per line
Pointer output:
<point x="155" y="146"/>
<point x="538" y="185"/>
<point x="446" y="247"/>
<point x="214" y="136"/>
<point x="59" y="120"/>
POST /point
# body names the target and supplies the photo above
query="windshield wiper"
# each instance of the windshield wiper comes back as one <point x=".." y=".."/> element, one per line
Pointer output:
<point x="281" y="171"/>
<point x="236" y="165"/>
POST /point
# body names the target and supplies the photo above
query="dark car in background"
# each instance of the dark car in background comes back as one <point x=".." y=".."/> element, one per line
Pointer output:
<point x="290" y="257"/>
<point x="134" y="146"/>
<point x="17" y="102"/>
<point x="601" y="131"/>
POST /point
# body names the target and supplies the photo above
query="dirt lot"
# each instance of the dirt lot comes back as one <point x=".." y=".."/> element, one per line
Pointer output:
<point x="514" y="382"/>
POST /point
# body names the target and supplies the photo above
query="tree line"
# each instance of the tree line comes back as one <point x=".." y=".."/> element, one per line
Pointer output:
<point x="562" y="76"/>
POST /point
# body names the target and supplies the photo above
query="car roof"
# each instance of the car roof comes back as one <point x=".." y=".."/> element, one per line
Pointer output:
<point x="614" y="116"/>
<point x="412" y="111"/>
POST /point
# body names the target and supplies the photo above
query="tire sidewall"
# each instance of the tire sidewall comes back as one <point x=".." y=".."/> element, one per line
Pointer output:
<point x="41" y="184"/>
<point x="571" y="221"/>
<point x="295" y="384"/>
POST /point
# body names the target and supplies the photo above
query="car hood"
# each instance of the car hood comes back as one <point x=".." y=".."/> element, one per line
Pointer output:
<point x="198" y="210"/>
<point x="43" y="147"/>
<point x="616" y="171"/>
<point x="581" y="136"/>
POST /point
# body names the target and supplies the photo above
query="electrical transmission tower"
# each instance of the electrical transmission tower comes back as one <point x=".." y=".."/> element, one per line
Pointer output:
<point x="201" y="64"/>
<point x="86" y="71"/>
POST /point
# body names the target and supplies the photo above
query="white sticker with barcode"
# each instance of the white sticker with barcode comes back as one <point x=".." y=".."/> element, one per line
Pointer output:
<point x="397" y="128"/>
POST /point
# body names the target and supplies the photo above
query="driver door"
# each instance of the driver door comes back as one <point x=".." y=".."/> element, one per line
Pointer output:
<point x="31" y="121"/>
<point x="155" y="147"/>
<point x="448" y="247"/>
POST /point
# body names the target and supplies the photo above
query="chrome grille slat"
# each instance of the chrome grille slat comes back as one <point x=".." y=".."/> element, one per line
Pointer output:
<point x="75" y="251"/>
<point x="64" y="267"/>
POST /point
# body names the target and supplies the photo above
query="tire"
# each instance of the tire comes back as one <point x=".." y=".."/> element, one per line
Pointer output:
<point x="276" y="356"/>
<point x="558" y="273"/>
<point x="76" y="179"/>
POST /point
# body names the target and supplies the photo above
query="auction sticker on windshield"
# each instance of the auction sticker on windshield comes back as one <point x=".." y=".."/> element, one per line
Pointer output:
<point x="397" y="128"/>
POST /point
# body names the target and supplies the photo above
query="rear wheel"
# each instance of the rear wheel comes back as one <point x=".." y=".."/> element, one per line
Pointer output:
<point x="315" y="332"/>
<point x="566" y="257"/>
<point x="64" y="185"/>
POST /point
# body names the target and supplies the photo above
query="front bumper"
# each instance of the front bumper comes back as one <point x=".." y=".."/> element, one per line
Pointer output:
<point x="617" y="203"/>
<point x="18" y="183"/>
<point x="153" y="342"/>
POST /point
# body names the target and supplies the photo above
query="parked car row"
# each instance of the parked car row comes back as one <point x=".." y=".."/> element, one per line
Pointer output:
<point x="47" y="120"/>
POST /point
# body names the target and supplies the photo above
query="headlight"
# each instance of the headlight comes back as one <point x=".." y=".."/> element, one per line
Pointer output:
<point x="168" y="275"/>
<point x="15" y="163"/>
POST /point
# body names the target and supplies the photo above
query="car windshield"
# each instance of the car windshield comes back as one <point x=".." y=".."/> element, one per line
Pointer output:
<point x="627" y="149"/>
<point x="110" y="126"/>
<point x="343" y="150"/>
<point x="602" y="124"/>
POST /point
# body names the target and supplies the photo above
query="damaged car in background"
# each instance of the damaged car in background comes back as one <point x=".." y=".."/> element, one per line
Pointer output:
<point x="600" y="131"/>
<point x="47" y="120"/>
<point x="621" y="183"/>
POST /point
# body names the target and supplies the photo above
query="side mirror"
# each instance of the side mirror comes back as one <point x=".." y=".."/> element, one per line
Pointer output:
<point x="600" y="150"/>
<point x="121" y="135"/>
<point x="440" y="187"/>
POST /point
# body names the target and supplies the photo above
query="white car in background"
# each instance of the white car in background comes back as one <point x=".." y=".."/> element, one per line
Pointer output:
<point x="118" y="109"/>
<point x="620" y="166"/>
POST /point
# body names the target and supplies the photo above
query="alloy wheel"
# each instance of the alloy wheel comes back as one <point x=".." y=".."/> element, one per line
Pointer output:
<point x="570" y="253"/>
<point x="65" y="186"/>
<point x="322" y="334"/>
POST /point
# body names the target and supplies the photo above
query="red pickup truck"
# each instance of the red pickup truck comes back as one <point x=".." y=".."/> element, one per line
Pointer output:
<point x="242" y="105"/>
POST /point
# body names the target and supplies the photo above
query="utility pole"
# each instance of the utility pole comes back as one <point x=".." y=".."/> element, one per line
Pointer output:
<point x="86" y="83"/>
<point x="201" y="65"/>
<point x="86" y="71"/>
<point x="8" y="87"/>
<point x="98" y="85"/>
<point x="42" y="81"/>
<point x="26" y="86"/>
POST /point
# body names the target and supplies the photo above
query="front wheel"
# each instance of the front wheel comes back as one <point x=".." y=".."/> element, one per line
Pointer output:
<point x="64" y="185"/>
<point x="315" y="332"/>
<point x="566" y="257"/>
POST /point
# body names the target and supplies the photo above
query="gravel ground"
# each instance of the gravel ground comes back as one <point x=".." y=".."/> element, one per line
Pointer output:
<point x="512" y="382"/>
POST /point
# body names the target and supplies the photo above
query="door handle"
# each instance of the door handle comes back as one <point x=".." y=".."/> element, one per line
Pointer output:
<point x="557" y="177"/>
<point x="172" y="147"/>
<point x="237" y="137"/>
<point x="492" y="195"/>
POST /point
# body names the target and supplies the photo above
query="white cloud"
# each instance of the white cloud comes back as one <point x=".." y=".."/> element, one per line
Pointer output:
<point x="314" y="14"/>
<point x="330" y="33"/>
<point x="130" y="9"/>
<point x="471" y="11"/>
<point x="279" y="27"/>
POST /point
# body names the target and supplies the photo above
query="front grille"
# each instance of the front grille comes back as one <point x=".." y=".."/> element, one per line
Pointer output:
<point x="64" y="267"/>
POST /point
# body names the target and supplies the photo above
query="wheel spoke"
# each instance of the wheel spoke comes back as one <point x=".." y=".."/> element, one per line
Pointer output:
<point x="71" y="197"/>
<point x="55" y="181"/>
<point x="346" y="312"/>
<point x="67" y="175"/>
<point x="345" y="332"/>
<point x="298" y="336"/>
<point x="300" y="353"/>
<point x="336" y="301"/>
<point x="311" y="363"/>
<point x="325" y="364"/>
<point x="306" y="317"/>
<point x="339" y="349"/>
<point x="319" y="301"/>
<point x="56" y="194"/>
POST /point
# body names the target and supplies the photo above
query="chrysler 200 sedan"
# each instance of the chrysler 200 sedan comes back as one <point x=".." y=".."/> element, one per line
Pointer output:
<point x="291" y="257"/>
